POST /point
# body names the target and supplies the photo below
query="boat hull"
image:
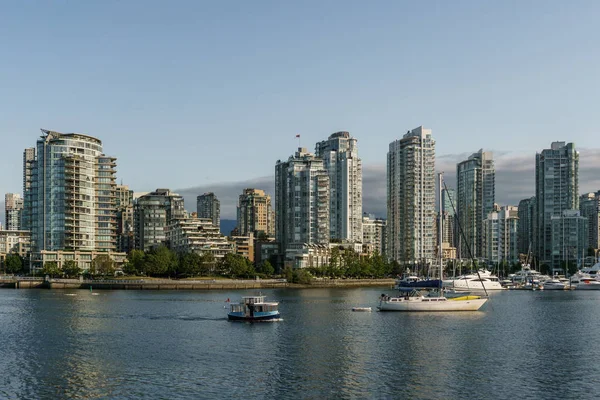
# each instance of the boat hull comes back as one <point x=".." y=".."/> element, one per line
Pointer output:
<point x="554" y="287"/>
<point x="461" y="285"/>
<point x="425" y="284"/>
<point x="432" y="305"/>
<point x="588" y="286"/>
<point x="256" y="318"/>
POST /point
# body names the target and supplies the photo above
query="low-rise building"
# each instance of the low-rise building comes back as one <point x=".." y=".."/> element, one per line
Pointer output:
<point x="307" y="255"/>
<point x="198" y="235"/>
<point x="244" y="246"/>
<point x="268" y="250"/>
<point x="83" y="259"/>
<point x="448" y="251"/>
<point x="15" y="242"/>
<point x="373" y="234"/>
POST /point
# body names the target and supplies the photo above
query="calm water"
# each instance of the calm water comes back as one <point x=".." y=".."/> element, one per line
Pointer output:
<point x="179" y="345"/>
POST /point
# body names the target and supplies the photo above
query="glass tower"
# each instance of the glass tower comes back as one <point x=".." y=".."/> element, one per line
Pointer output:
<point x="71" y="198"/>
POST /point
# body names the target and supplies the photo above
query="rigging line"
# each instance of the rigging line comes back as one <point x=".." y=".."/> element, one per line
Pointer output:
<point x="462" y="234"/>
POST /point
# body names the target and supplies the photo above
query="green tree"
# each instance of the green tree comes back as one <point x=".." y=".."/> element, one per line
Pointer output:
<point x="13" y="264"/>
<point x="102" y="265"/>
<point x="135" y="262"/>
<point x="161" y="261"/>
<point x="238" y="265"/>
<point x="71" y="269"/>
<point x="266" y="268"/>
<point x="288" y="274"/>
<point x="51" y="269"/>
<point x="208" y="264"/>
<point x="190" y="264"/>
<point x="302" y="276"/>
<point x="129" y="269"/>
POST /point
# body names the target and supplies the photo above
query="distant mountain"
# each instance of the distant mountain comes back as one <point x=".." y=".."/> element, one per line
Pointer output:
<point x="227" y="226"/>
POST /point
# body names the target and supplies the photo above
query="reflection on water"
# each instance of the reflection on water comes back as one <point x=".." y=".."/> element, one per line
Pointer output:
<point x="127" y="344"/>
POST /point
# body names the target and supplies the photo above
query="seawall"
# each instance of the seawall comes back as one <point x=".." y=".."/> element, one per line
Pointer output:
<point x="166" y="284"/>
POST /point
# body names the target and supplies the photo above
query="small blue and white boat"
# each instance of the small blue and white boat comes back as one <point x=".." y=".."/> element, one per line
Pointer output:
<point x="253" y="308"/>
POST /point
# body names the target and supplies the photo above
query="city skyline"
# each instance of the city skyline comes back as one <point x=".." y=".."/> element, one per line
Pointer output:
<point x="312" y="78"/>
<point x="515" y="180"/>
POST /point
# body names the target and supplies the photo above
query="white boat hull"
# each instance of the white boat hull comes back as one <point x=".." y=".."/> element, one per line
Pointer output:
<point x="430" y="304"/>
<point x="554" y="287"/>
<point x="588" y="286"/>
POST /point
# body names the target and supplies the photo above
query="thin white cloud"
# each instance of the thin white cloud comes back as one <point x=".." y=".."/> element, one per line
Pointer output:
<point x="515" y="180"/>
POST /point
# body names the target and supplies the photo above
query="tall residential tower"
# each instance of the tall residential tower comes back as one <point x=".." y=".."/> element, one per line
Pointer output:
<point x="301" y="200"/>
<point x="13" y="207"/>
<point x="209" y="207"/>
<point x="152" y="214"/>
<point x="255" y="214"/>
<point x="556" y="191"/>
<point x="411" y="198"/>
<point x="71" y="199"/>
<point x="476" y="181"/>
<point x="340" y="158"/>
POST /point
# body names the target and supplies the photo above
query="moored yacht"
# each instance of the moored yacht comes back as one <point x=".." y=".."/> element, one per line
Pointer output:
<point x="409" y="281"/>
<point x="587" y="278"/>
<point x="553" y="284"/>
<point x="485" y="280"/>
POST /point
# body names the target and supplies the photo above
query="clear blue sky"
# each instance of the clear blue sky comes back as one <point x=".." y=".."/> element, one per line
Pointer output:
<point x="188" y="93"/>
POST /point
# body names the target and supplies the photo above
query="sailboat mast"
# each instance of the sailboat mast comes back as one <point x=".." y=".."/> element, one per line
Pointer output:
<point x="440" y="228"/>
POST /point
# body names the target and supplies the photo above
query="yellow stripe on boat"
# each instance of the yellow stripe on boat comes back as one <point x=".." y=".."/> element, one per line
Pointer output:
<point x="465" y="298"/>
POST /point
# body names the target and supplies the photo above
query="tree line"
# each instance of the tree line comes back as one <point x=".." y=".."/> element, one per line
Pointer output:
<point x="163" y="262"/>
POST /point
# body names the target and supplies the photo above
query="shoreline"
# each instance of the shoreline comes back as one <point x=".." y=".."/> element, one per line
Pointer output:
<point x="141" y="284"/>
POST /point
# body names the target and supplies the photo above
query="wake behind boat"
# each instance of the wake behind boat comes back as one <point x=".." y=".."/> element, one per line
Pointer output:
<point x="253" y="308"/>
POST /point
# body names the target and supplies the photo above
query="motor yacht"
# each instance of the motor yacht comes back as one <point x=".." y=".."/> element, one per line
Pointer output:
<point x="484" y="280"/>
<point x="552" y="284"/>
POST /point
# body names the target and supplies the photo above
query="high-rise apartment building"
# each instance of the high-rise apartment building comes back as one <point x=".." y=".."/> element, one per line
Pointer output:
<point x="569" y="239"/>
<point x="152" y="214"/>
<point x="208" y="206"/>
<point x="301" y="200"/>
<point x="255" y="214"/>
<point x="476" y="181"/>
<point x="525" y="226"/>
<point x="125" y="227"/>
<point x="340" y="158"/>
<point x="411" y="198"/>
<point x="28" y="163"/>
<point x="449" y="201"/>
<point x="589" y="206"/>
<point x="556" y="190"/>
<point x="71" y="199"/>
<point x="500" y="238"/>
<point x="13" y="207"/>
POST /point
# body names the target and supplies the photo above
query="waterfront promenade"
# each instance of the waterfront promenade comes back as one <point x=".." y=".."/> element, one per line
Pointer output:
<point x="17" y="282"/>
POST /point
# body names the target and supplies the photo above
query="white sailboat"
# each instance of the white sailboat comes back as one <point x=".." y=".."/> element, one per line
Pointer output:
<point x="416" y="302"/>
